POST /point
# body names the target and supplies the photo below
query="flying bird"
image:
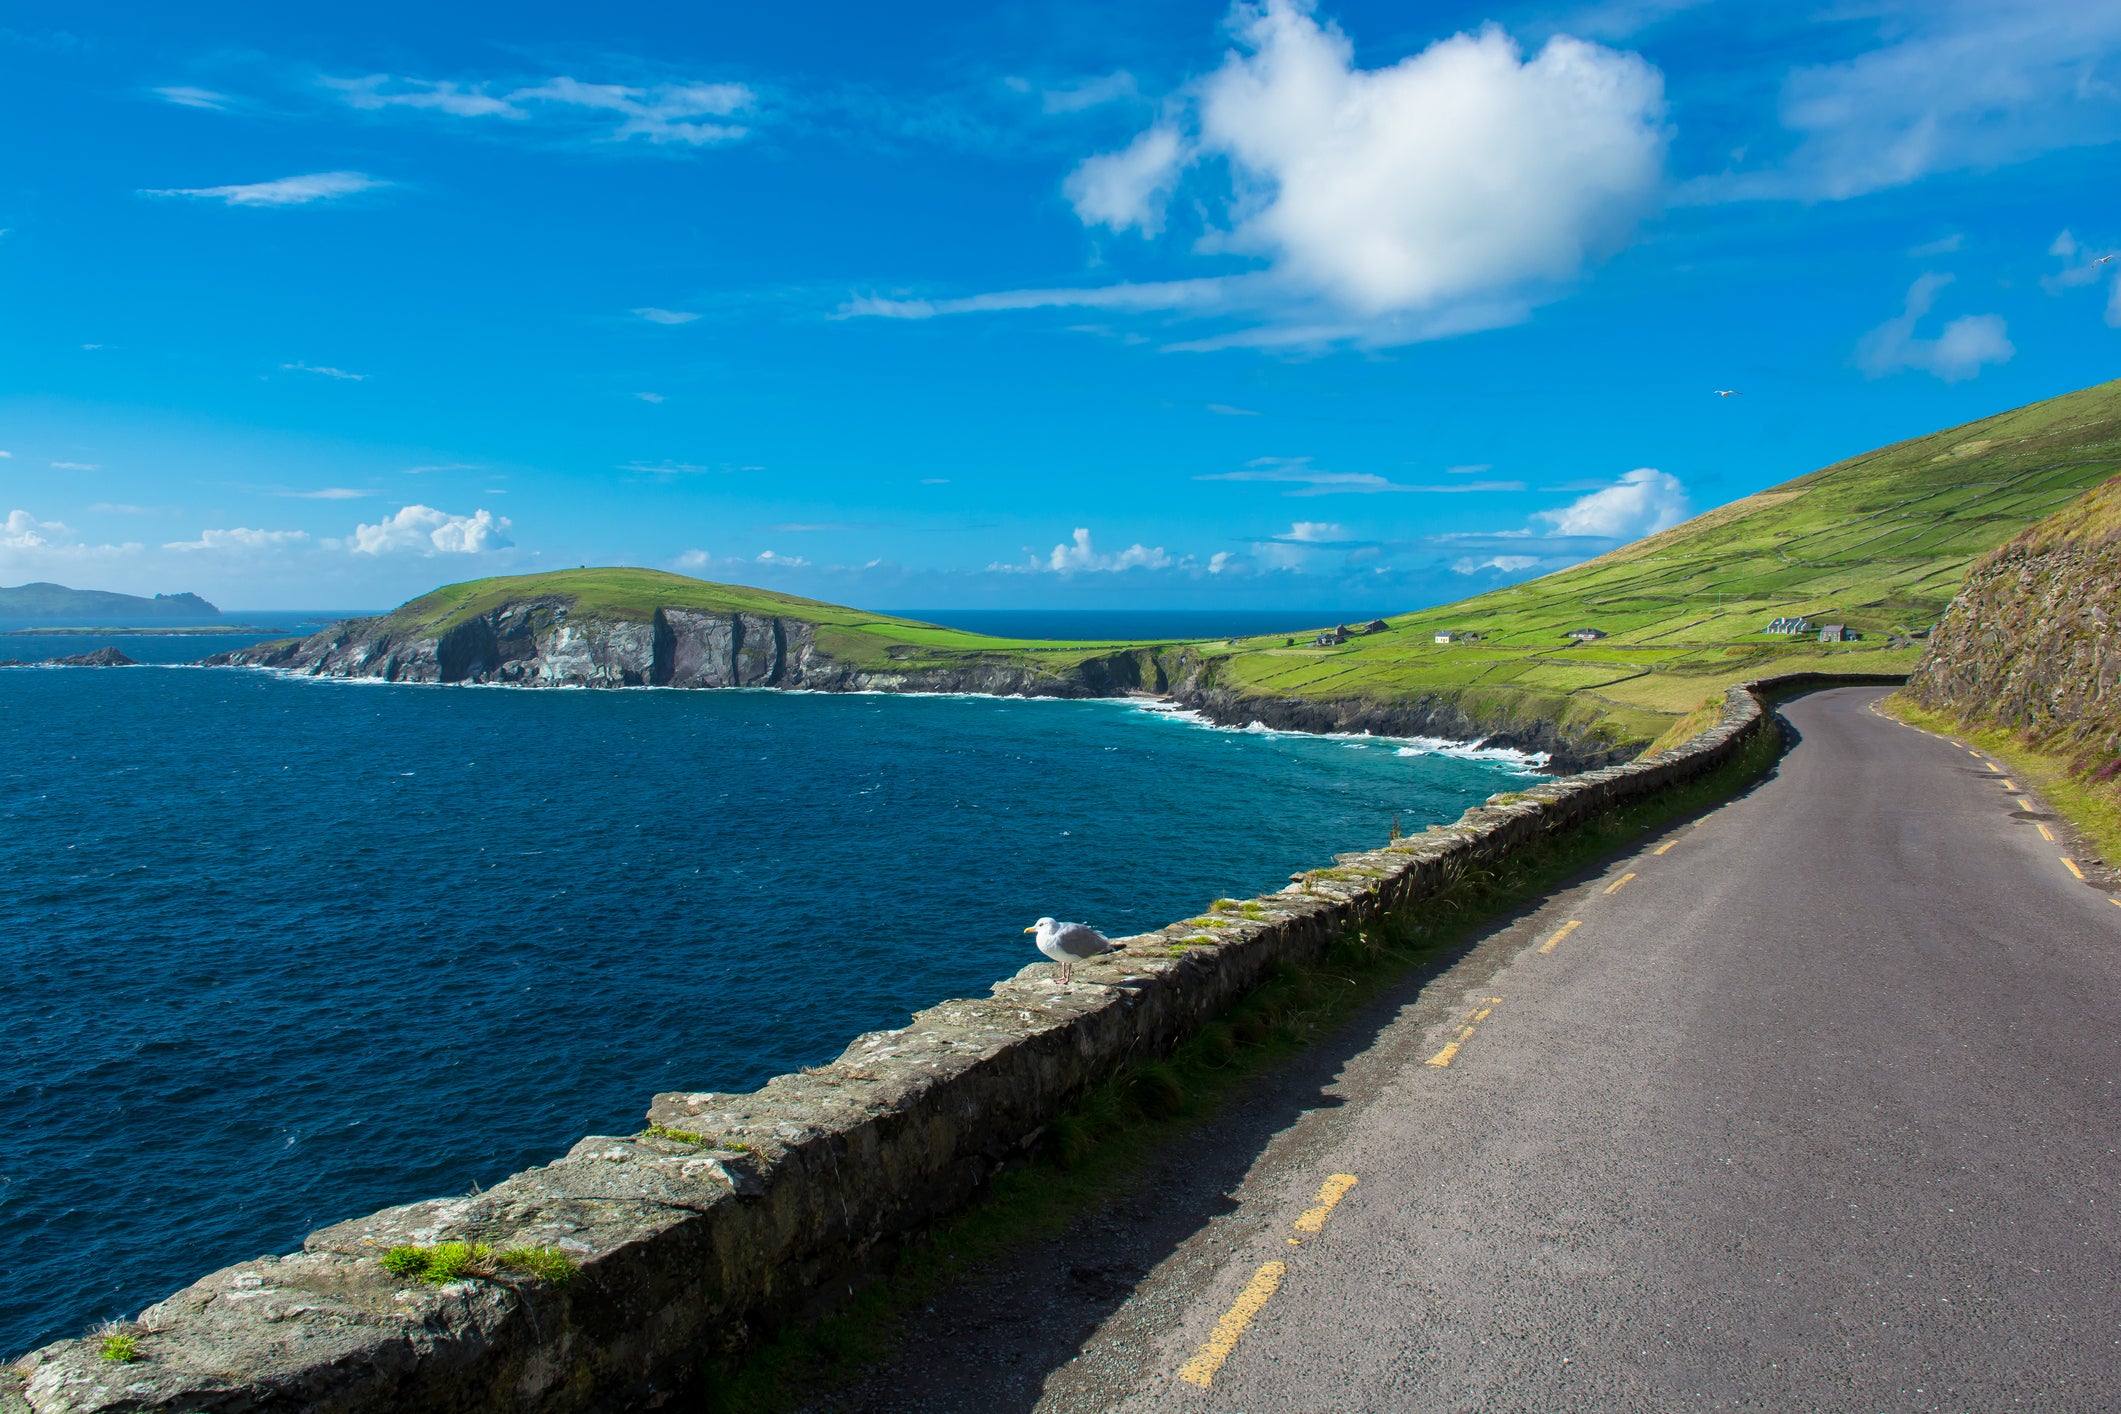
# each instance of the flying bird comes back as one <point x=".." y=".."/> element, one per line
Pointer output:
<point x="2102" y="260"/>
<point x="1069" y="943"/>
<point x="1729" y="393"/>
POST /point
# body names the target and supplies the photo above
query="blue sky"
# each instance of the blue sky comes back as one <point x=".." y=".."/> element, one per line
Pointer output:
<point x="1356" y="306"/>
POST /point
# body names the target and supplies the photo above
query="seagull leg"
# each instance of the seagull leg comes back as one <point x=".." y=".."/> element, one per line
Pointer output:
<point x="1067" y="971"/>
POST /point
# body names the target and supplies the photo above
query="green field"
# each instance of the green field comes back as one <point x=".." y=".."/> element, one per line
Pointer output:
<point x="1879" y="543"/>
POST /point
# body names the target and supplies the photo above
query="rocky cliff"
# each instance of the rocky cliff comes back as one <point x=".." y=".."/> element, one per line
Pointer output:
<point x="2031" y="641"/>
<point x="545" y="642"/>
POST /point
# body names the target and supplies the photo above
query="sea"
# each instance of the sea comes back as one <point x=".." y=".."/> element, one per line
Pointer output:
<point x="281" y="951"/>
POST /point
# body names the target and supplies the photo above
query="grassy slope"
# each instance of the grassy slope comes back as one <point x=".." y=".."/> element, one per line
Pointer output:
<point x="850" y="635"/>
<point x="1877" y="542"/>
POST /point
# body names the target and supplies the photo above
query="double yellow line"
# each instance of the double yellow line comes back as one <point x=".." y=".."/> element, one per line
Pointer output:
<point x="1200" y="1370"/>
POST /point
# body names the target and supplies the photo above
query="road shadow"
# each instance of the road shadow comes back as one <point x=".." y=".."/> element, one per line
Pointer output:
<point x="992" y="1341"/>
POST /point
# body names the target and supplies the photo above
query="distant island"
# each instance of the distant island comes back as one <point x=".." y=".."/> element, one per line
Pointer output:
<point x="99" y="606"/>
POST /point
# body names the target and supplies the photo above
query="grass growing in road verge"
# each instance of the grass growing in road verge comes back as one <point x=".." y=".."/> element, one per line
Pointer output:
<point x="1110" y="1140"/>
<point x="2092" y="806"/>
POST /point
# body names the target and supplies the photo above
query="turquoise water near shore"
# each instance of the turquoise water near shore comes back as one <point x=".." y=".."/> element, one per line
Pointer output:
<point x="283" y="951"/>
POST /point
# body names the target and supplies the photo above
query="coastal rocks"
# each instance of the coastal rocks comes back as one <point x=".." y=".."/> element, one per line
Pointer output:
<point x="1567" y="752"/>
<point x="731" y="1213"/>
<point x="101" y="658"/>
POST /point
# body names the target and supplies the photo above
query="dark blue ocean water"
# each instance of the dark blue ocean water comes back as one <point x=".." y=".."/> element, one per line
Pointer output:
<point x="279" y="952"/>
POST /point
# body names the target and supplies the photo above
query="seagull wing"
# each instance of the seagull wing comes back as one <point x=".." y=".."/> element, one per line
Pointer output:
<point x="1080" y="940"/>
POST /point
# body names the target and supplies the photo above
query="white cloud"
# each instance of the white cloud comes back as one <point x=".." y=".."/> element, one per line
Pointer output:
<point x="668" y="113"/>
<point x="1089" y="93"/>
<point x="1313" y="481"/>
<point x="1956" y="354"/>
<point x="324" y="370"/>
<point x="22" y="531"/>
<point x="1195" y="295"/>
<point x="695" y="560"/>
<point x="1507" y="564"/>
<point x="1964" y="84"/>
<point x="6" y="454"/>
<point x="769" y="557"/>
<point x="239" y="538"/>
<point x="329" y="493"/>
<point x="27" y="543"/>
<point x="1463" y="171"/>
<point x="189" y="97"/>
<point x="1448" y="192"/>
<point x="651" y="397"/>
<point x="664" y="113"/>
<point x="1079" y="555"/>
<point x="1218" y="562"/>
<point x="429" y="532"/>
<point x="457" y="100"/>
<point x="1128" y="188"/>
<point x="77" y="466"/>
<point x="1641" y="503"/>
<point x="287" y="191"/>
<point x="665" y="316"/>
<point x="1313" y="531"/>
<point x="1226" y="410"/>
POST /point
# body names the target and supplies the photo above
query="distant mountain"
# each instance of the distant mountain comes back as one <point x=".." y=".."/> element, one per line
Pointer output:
<point x="56" y="601"/>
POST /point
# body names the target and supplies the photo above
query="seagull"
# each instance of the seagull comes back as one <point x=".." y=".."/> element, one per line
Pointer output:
<point x="2102" y="260"/>
<point x="1068" y="943"/>
<point x="1729" y="393"/>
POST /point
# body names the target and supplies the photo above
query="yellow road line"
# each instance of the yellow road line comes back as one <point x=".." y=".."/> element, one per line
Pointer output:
<point x="2071" y="865"/>
<point x="1614" y="887"/>
<point x="2007" y="784"/>
<point x="1200" y="1370"/>
<point x="1993" y="767"/>
<point x="2116" y="902"/>
<point x="1443" y="1057"/>
<point x="1663" y="847"/>
<point x="2045" y="832"/>
<point x="1482" y="1014"/>
<point x="1329" y="1195"/>
<point x="1567" y="928"/>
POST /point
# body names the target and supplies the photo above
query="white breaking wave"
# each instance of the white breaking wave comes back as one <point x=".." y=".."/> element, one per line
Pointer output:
<point x="1528" y="762"/>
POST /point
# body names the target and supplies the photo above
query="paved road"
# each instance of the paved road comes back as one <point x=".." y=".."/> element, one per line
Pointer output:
<point x="1816" y="1110"/>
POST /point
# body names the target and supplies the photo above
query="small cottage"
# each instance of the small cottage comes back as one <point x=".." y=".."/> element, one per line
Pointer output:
<point x="1838" y="633"/>
<point x="1789" y="625"/>
<point x="1586" y="635"/>
<point x="1377" y="626"/>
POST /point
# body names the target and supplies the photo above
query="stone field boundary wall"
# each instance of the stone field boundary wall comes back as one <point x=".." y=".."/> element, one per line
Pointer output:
<point x="732" y="1212"/>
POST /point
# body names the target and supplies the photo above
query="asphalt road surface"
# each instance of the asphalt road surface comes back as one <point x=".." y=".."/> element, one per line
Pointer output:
<point x="1808" y="1104"/>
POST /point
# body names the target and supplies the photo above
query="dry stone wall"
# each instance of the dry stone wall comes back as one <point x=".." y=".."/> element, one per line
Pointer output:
<point x="731" y="1212"/>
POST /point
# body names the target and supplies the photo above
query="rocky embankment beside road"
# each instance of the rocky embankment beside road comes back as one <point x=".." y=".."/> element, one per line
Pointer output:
<point x="2031" y="642"/>
<point x="544" y="642"/>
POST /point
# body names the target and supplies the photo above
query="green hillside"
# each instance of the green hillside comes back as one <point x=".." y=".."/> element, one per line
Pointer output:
<point x="1880" y="542"/>
<point x="854" y="636"/>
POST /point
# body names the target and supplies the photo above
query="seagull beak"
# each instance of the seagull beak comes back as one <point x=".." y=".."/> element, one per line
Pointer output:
<point x="1032" y="929"/>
